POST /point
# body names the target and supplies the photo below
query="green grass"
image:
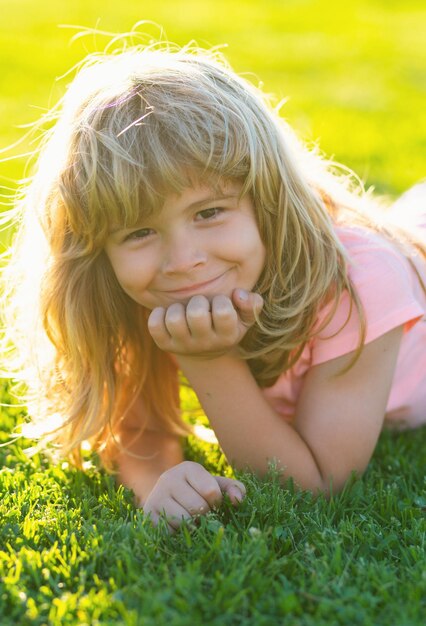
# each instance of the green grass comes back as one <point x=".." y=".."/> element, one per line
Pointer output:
<point x="73" y="549"/>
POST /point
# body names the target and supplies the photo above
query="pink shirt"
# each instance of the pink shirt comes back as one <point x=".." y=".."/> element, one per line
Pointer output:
<point x="391" y="296"/>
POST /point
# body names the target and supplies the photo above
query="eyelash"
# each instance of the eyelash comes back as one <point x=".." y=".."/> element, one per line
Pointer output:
<point x="132" y="236"/>
<point x="217" y="212"/>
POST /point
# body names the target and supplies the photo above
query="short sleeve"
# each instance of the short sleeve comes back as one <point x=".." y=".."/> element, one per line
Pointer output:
<point x="387" y="288"/>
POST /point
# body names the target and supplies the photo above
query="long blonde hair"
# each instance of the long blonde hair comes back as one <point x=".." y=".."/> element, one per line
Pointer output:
<point x="132" y="128"/>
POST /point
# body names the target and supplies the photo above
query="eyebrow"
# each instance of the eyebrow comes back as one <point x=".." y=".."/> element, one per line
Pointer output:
<point x="194" y="205"/>
<point x="199" y="203"/>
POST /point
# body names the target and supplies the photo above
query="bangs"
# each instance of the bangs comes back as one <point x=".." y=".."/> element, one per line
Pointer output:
<point x="165" y="135"/>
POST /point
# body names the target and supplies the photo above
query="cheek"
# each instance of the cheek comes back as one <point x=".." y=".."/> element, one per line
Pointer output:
<point x="255" y="253"/>
<point x="242" y="238"/>
<point x="130" y="273"/>
<point x="250" y="245"/>
<point x="248" y="253"/>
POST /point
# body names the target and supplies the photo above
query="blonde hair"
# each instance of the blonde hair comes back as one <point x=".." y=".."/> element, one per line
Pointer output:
<point x="132" y="128"/>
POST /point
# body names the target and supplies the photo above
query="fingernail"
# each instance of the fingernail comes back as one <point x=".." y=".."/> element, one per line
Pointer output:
<point x="237" y="495"/>
<point x="242" y="294"/>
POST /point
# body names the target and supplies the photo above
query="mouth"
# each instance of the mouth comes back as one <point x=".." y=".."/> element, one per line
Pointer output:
<point x="196" y="288"/>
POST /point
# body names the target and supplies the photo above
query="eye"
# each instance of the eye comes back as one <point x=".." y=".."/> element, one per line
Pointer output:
<point x="208" y="214"/>
<point x="141" y="233"/>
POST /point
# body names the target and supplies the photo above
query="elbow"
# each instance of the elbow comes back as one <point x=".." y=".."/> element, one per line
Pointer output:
<point x="319" y="484"/>
<point x="306" y="479"/>
<point x="318" y="487"/>
<point x="334" y="485"/>
<point x="330" y="481"/>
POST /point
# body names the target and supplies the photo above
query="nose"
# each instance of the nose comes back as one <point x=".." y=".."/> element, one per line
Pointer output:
<point x="183" y="254"/>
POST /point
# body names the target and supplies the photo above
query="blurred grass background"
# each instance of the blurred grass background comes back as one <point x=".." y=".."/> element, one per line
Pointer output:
<point x="353" y="72"/>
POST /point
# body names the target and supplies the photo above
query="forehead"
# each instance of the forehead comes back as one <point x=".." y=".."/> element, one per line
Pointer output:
<point x="191" y="197"/>
<point x="201" y="193"/>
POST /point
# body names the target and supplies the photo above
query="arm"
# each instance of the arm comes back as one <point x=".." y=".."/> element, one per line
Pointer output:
<point x="167" y="485"/>
<point x="163" y="482"/>
<point x="162" y="450"/>
<point x="338" y="418"/>
<point x="336" y="426"/>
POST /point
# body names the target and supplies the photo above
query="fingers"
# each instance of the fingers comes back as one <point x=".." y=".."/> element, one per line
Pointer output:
<point x="225" y="317"/>
<point x="175" y="509"/>
<point x="185" y="491"/>
<point x="191" y="501"/>
<point x="172" y="515"/>
<point x="188" y="491"/>
<point x="204" y="329"/>
<point x="247" y="303"/>
<point x="195" y="327"/>
<point x="175" y="321"/>
<point x="203" y="318"/>
<point x="157" y="327"/>
<point x="203" y="483"/>
<point x="179" y="323"/>
<point x="198" y="317"/>
<point x="169" y="327"/>
<point x="235" y="489"/>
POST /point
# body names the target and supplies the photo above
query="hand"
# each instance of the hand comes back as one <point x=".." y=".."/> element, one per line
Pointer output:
<point x="203" y="329"/>
<point x="189" y="490"/>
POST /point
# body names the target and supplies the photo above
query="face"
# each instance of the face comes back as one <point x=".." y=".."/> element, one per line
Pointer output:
<point x="201" y="242"/>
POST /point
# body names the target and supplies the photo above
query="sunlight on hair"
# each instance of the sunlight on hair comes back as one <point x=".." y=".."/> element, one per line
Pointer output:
<point x="140" y="121"/>
<point x="35" y="430"/>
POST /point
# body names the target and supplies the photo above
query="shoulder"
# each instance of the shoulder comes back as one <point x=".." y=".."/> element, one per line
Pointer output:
<point x="369" y="251"/>
<point x="386" y="285"/>
<point x="379" y="271"/>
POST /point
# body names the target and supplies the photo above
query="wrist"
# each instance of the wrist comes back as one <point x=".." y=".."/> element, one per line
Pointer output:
<point x="188" y="359"/>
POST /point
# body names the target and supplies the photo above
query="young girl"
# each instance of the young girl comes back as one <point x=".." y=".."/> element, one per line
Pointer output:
<point x="173" y="223"/>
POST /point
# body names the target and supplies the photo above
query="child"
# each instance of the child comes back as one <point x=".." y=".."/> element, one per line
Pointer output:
<point x="174" y="222"/>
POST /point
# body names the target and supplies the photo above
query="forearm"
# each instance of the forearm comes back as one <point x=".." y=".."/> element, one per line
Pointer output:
<point x="163" y="451"/>
<point x="250" y="432"/>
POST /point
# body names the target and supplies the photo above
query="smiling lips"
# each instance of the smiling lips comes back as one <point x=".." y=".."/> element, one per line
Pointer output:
<point x="196" y="287"/>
